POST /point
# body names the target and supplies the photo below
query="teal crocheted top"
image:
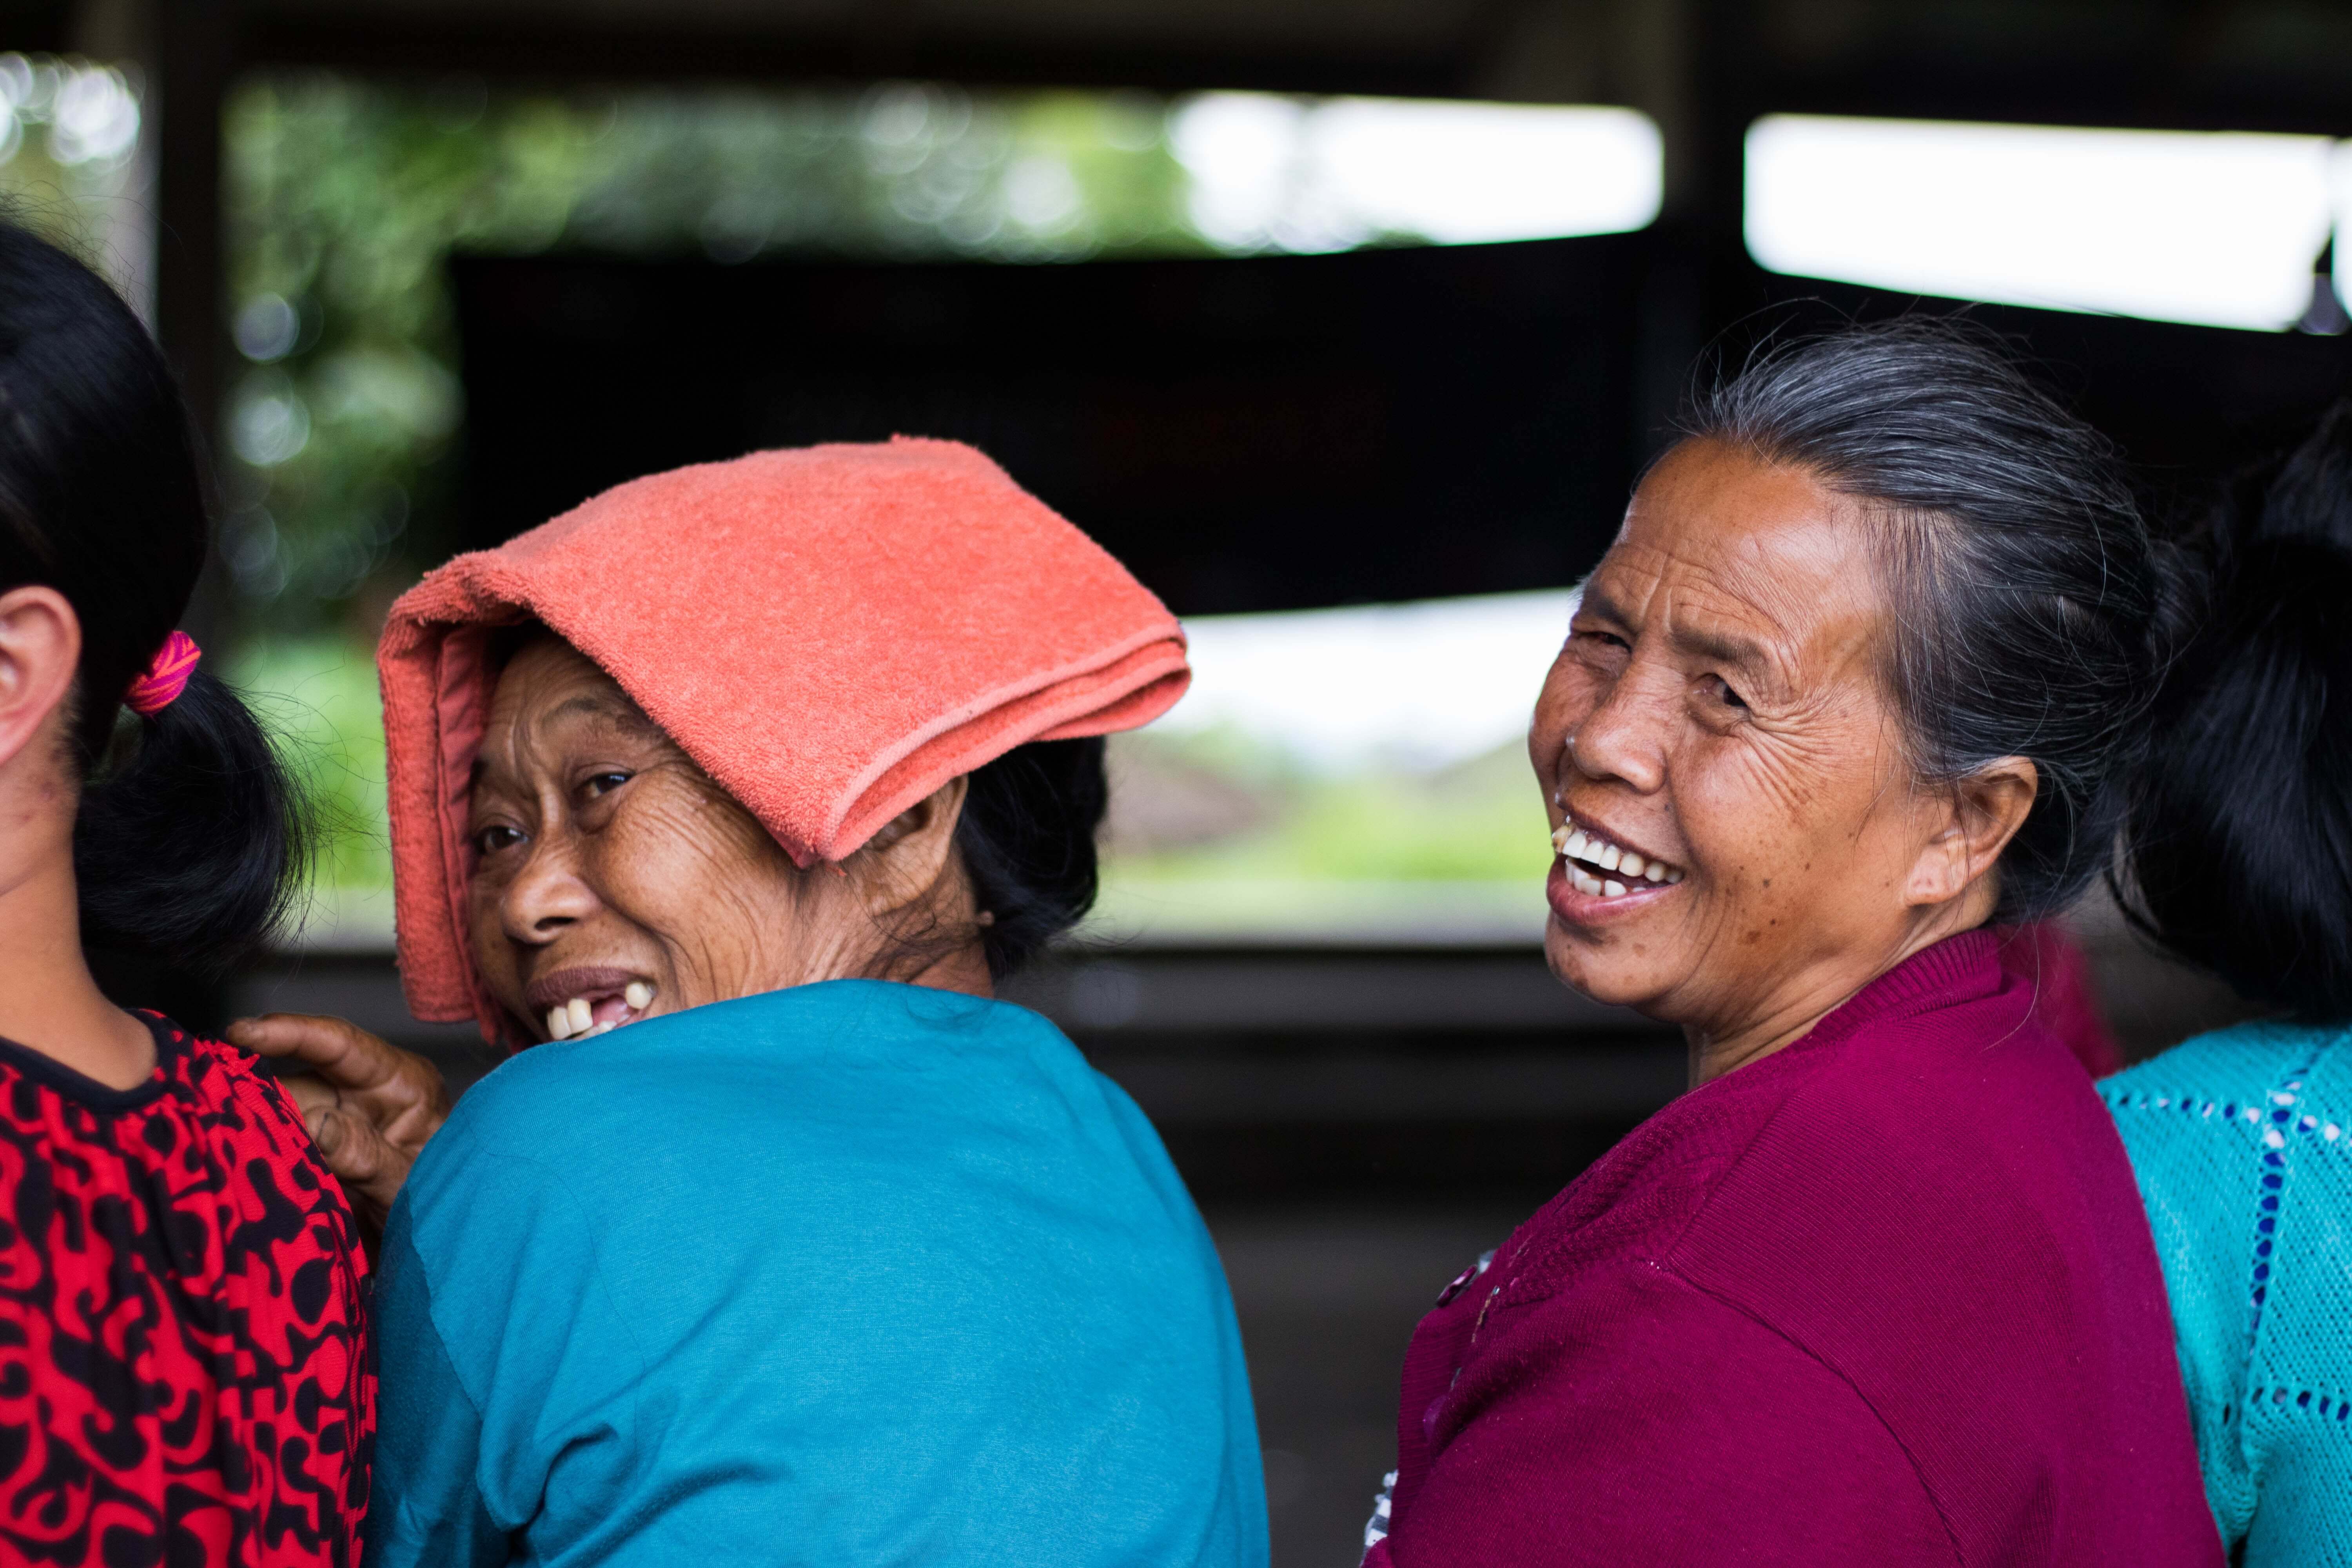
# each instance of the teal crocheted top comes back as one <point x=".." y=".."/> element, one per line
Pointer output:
<point x="2242" y="1143"/>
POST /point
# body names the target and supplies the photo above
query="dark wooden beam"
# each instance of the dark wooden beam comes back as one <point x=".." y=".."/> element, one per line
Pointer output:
<point x="2042" y="93"/>
<point x="36" y="26"/>
<point x="542" y="52"/>
<point x="197" y="45"/>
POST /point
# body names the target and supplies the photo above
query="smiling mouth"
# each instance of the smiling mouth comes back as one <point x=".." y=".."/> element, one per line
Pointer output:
<point x="1600" y="868"/>
<point x="583" y="1003"/>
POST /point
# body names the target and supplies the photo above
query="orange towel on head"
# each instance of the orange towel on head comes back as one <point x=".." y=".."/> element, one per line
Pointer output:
<point x="832" y="632"/>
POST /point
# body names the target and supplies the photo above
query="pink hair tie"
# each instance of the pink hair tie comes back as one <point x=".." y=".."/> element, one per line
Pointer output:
<point x="164" y="678"/>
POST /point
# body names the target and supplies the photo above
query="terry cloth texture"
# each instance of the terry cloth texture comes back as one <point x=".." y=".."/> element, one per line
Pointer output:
<point x="1884" y="1296"/>
<point x="849" y="1273"/>
<point x="2242" y="1143"/>
<point x="832" y="632"/>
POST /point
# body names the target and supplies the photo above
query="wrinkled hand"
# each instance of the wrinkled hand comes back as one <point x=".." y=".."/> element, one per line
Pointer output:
<point x="369" y="1106"/>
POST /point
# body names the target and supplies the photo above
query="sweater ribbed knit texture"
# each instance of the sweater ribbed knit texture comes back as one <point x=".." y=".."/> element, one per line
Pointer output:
<point x="1885" y="1297"/>
<point x="2242" y="1144"/>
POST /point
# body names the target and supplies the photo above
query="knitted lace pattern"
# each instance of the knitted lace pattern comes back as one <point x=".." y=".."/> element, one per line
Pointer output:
<point x="2242" y="1144"/>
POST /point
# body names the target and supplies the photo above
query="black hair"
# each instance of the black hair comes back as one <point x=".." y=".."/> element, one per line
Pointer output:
<point x="190" y="840"/>
<point x="2033" y="607"/>
<point x="1027" y="835"/>
<point x="2238" y="836"/>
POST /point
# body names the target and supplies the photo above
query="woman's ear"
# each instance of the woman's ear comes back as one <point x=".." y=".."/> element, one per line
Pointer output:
<point x="905" y="859"/>
<point x="40" y="650"/>
<point x="1977" y="819"/>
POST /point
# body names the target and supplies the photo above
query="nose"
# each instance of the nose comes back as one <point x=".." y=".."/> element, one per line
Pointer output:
<point x="548" y="894"/>
<point x="1623" y="738"/>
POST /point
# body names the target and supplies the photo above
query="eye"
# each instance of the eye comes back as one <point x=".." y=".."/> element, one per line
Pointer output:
<point x="492" y="839"/>
<point x="595" y="785"/>
<point x="1601" y="651"/>
<point x="1722" y="691"/>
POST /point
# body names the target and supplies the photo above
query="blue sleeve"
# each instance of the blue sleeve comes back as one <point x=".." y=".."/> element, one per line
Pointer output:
<point x="424" y="1505"/>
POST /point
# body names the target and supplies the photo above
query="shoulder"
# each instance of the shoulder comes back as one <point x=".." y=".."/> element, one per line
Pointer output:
<point x="2233" y="1067"/>
<point x="804" y="1087"/>
<point x="1968" y="1134"/>
<point x="220" y="1075"/>
<point x="2227" y="1130"/>
<point x="844" y="1033"/>
<point x="1635" y="1202"/>
<point x="2238" y="1089"/>
<point x="2238" y="1141"/>
<point x="1825" y="1114"/>
<point x="1677" y="1423"/>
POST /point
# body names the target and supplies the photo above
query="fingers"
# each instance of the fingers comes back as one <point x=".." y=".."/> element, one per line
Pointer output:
<point x="310" y="1095"/>
<point x="338" y="1049"/>
<point x="371" y="1169"/>
<point x="399" y="1097"/>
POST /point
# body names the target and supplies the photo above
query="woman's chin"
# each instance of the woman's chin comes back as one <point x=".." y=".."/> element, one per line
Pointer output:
<point x="1588" y="939"/>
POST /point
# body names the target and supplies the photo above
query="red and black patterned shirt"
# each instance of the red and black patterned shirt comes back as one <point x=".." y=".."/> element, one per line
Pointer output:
<point x="183" y="1370"/>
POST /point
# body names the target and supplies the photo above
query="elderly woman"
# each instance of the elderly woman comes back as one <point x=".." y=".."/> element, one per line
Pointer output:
<point x="730" y="794"/>
<point x="1855" y="682"/>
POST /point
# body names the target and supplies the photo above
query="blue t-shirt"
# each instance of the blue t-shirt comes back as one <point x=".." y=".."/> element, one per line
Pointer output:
<point x="850" y="1273"/>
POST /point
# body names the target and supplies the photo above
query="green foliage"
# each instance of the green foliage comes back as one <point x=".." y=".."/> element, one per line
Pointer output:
<point x="68" y="163"/>
<point x="345" y="198"/>
<point x="316" y="696"/>
<point x="1480" y="821"/>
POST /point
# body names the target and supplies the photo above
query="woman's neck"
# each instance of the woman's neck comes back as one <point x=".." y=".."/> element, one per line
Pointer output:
<point x="51" y="1003"/>
<point x="1799" y="1007"/>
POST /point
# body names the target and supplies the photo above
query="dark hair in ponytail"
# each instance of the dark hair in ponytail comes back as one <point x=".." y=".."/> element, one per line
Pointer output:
<point x="190" y="841"/>
<point x="2238" y="833"/>
<point x="1028" y="841"/>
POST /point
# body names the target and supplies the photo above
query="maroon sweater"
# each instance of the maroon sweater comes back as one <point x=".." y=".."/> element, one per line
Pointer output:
<point x="1886" y="1297"/>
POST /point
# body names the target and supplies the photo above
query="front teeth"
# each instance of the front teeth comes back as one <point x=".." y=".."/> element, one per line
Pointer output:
<point x="1579" y="844"/>
<point x="576" y="1020"/>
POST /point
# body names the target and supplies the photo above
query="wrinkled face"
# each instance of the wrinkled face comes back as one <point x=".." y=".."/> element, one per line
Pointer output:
<point x="1720" y="752"/>
<point x="613" y="879"/>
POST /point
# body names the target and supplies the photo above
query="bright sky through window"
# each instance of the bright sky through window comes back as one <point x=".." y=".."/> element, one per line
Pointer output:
<point x="1418" y="686"/>
<point x="1285" y="174"/>
<point x="1355" y="775"/>
<point x="2220" y="229"/>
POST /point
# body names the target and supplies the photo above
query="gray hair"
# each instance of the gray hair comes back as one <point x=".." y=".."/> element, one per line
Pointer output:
<point x="2032" y="605"/>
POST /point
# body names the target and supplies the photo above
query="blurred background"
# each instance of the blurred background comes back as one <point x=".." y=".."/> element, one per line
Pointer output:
<point x="1347" y="323"/>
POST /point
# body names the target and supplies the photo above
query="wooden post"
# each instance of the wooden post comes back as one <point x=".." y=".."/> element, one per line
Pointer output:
<point x="195" y="48"/>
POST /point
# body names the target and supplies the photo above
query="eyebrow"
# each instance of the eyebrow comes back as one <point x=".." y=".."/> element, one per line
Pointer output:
<point x="596" y="705"/>
<point x="1594" y="597"/>
<point x="1725" y="647"/>
<point x="620" y="712"/>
